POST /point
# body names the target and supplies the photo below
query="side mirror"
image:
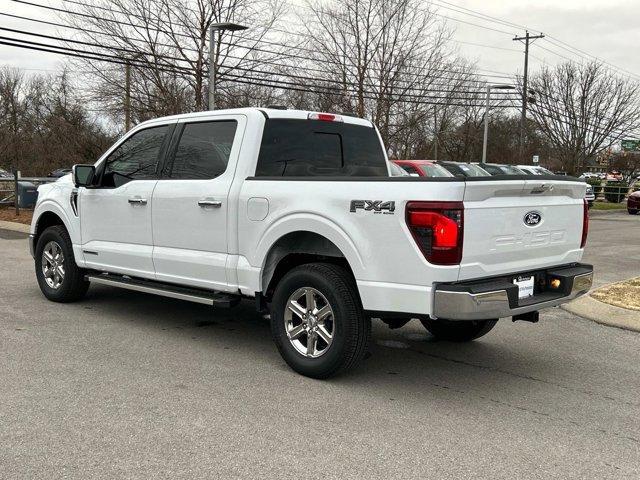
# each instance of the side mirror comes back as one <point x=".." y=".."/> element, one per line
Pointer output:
<point x="83" y="175"/>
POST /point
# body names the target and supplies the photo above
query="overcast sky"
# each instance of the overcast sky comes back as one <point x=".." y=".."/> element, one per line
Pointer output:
<point x="608" y="29"/>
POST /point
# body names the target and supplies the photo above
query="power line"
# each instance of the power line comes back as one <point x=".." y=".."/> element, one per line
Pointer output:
<point x="228" y="55"/>
<point x="158" y="30"/>
<point x="581" y="53"/>
<point x="434" y="13"/>
<point x="442" y="4"/>
<point x="475" y="13"/>
<point x="234" y="78"/>
<point x="551" y="39"/>
<point x="452" y="92"/>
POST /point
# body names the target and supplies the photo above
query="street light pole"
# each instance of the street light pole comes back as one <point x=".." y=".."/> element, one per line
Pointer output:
<point x="486" y="116"/>
<point x="213" y="53"/>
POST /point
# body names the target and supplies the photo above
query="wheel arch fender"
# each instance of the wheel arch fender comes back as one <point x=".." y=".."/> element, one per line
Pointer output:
<point x="44" y="216"/>
<point x="304" y="234"/>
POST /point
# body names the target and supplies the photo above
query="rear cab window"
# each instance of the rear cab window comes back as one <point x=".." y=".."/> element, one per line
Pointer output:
<point x="315" y="148"/>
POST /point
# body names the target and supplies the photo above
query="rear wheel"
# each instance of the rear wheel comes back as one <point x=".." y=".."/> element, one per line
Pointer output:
<point x="317" y="320"/>
<point x="632" y="212"/>
<point x="59" y="277"/>
<point x="458" y="331"/>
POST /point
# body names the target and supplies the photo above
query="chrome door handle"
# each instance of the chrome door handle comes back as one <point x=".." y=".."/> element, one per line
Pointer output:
<point x="210" y="203"/>
<point x="138" y="200"/>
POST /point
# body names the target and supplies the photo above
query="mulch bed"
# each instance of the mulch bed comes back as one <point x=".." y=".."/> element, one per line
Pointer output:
<point x="623" y="294"/>
<point x="9" y="214"/>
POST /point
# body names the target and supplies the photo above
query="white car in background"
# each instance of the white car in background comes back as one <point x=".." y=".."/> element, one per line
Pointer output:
<point x="534" y="170"/>
<point x="589" y="196"/>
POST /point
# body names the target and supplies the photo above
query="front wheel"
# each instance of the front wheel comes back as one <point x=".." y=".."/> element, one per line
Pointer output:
<point x="59" y="278"/>
<point x="317" y="320"/>
<point x="632" y="212"/>
<point x="458" y="331"/>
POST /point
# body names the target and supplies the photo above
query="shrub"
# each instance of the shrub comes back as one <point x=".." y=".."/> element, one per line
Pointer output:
<point x="615" y="192"/>
<point x="596" y="183"/>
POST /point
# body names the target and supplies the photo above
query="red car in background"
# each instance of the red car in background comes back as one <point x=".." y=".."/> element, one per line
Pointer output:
<point x="633" y="203"/>
<point x="423" y="168"/>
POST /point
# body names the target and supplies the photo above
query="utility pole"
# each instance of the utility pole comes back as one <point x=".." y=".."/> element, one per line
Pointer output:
<point x="527" y="39"/>
<point x="127" y="90"/>
<point x="435" y="130"/>
<point x="127" y="97"/>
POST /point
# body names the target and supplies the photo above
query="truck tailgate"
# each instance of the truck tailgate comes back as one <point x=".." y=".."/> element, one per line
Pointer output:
<point x="512" y="226"/>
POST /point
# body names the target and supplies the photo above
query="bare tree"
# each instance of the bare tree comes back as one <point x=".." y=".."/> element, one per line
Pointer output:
<point x="584" y="109"/>
<point x="380" y="55"/>
<point x="44" y="124"/>
<point x="165" y="44"/>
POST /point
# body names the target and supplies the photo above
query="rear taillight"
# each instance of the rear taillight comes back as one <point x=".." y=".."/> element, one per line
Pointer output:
<point x="585" y="224"/>
<point x="437" y="228"/>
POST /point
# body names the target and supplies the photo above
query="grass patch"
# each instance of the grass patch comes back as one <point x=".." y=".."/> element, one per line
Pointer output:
<point x="609" y="206"/>
<point x="623" y="294"/>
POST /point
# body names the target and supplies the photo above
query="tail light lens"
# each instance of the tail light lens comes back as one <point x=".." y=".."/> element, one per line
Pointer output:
<point x="325" y="117"/>
<point x="585" y="224"/>
<point x="437" y="228"/>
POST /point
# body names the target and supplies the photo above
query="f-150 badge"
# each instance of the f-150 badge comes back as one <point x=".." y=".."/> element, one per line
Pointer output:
<point x="375" y="206"/>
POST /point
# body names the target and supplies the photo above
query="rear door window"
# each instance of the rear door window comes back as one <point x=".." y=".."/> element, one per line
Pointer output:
<point x="203" y="150"/>
<point x="317" y="148"/>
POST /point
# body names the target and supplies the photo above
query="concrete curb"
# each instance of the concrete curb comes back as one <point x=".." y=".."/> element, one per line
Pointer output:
<point x="603" y="313"/>
<point x="14" y="227"/>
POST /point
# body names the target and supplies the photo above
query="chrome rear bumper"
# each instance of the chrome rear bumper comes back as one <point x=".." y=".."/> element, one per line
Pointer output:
<point x="498" y="298"/>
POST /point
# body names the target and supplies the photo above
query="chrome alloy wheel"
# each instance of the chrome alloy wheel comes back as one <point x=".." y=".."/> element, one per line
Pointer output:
<point x="53" y="265"/>
<point x="309" y="322"/>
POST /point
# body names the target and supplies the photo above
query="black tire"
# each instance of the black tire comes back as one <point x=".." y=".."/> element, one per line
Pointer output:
<point x="632" y="212"/>
<point x="458" y="331"/>
<point x="73" y="286"/>
<point x="351" y="330"/>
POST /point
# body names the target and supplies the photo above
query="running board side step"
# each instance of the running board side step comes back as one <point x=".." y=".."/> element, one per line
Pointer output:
<point x="206" y="297"/>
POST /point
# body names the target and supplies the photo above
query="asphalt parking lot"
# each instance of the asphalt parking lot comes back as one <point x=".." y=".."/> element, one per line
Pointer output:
<point x="127" y="385"/>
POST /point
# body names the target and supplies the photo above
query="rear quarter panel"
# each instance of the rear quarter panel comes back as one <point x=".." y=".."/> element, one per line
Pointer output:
<point x="391" y="272"/>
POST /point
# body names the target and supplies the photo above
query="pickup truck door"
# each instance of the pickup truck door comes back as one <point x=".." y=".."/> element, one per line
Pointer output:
<point x="191" y="209"/>
<point x="115" y="215"/>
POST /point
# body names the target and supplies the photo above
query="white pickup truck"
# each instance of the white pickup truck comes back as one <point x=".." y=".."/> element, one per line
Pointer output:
<point x="298" y="210"/>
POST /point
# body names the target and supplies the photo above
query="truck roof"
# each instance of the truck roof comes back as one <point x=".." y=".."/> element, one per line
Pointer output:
<point x="268" y="112"/>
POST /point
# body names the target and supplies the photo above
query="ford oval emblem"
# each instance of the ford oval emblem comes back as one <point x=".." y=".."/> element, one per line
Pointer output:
<point x="531" y="219"/>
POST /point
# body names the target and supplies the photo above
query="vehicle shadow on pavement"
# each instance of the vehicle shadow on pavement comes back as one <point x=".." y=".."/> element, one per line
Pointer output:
<point x="408" y="355"/>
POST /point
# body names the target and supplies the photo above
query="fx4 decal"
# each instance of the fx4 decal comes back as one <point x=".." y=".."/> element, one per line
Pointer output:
<point x="375" y="206"/>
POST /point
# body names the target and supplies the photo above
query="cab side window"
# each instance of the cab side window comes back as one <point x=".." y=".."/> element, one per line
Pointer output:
<point x="136" y="158"/>
<point x="203" y="150"/>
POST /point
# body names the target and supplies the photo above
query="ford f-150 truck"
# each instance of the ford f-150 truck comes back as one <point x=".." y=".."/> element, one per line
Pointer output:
<point x="298" y="211"/>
